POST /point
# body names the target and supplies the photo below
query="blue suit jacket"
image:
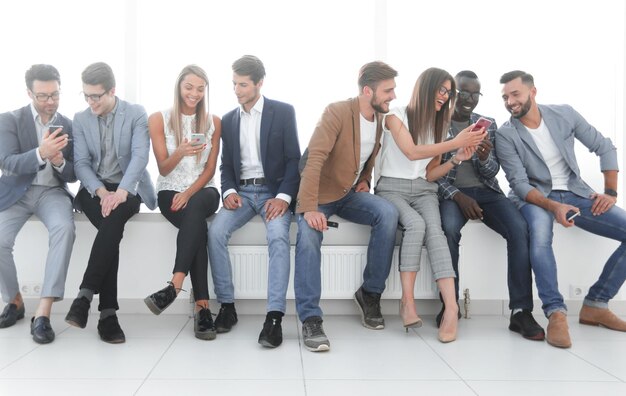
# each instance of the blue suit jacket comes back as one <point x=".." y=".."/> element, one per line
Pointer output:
<point x="132" y="146"/>
<point x="280" y="150"/>
<point x="18" y="160"/>
<point x="524" y="165"/>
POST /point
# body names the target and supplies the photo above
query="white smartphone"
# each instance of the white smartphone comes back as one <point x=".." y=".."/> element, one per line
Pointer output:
<point x="571" y="214"/>
<point x="198" y="139"/>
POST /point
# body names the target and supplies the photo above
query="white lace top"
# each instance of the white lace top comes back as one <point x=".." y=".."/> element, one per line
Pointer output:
<point x="189" y="168"/>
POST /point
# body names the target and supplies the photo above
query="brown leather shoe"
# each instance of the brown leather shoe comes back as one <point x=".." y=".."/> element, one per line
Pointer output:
<point x="601" y="317"/>
<point x="558" y="331"/>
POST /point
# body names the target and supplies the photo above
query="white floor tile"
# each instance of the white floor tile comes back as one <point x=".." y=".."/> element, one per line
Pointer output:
<point x="386" y="387"/>
<point x="133" y="325"/>
<point x="68" y="387"/>
<point x="14" y="349"/>
<point x="607" y="355"/>
<point x="238" y="387"/>
<point x="547" y="388"/>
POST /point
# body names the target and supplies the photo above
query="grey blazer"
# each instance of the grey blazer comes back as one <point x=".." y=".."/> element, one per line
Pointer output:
<point x="523" y="164"/>
<point x="132" y="146"/>
<point x="18" y="160"/>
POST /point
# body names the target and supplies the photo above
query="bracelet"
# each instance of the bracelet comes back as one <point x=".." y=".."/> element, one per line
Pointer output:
<point x="611" y="192"/>
<point x="457" y="163"/>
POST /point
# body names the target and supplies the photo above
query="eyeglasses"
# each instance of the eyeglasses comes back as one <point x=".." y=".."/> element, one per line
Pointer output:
<point x="445" y="91"/>
<point x="43" y="98"/>
<point x="465" y="95"/>
<point x="94" y="97"/>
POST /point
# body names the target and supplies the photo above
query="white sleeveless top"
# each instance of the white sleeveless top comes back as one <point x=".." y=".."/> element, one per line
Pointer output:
<point x="189" y="168"/>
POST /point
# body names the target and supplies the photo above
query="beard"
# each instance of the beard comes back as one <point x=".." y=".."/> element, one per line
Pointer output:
<point x="523" y="111"/>
<point x="378" y="106"/>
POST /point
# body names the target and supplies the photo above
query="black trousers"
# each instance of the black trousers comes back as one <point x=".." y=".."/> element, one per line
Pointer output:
<point x="101" y="273"/>
<point x="191" y="242"/>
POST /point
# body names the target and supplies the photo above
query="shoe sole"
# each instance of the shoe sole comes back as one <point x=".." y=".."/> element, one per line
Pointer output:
<point x="518" y="330"/>
<point x="209" y="336"/>
<point x="75" y="323"/>
<point x="152" y="306"/>
<point x="563" y="346"/>
<point x="598" y="324"/>
<point x="119" y="341"/>
<point x="320" y="348"/>
<point x="268" y="344"/>
<point x="368" y="326"/>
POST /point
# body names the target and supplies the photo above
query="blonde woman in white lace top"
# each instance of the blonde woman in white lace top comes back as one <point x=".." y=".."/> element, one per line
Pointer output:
<point x="185" y="140"/>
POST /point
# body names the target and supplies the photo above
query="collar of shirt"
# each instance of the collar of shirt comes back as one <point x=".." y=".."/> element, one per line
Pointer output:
<point x="37" y="117"/>
<point x="258" y="107"/>
<point x="108" y="117"/>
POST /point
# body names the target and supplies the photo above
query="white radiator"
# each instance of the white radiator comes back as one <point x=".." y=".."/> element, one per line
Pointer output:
<point x="342" y="273"/>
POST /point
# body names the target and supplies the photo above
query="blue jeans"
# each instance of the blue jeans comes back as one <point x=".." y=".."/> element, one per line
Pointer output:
<point x="501" y="215"/>
<point x="228" y="221"/>
<point x="360" y="208"/>
<point x="611" y="224"/>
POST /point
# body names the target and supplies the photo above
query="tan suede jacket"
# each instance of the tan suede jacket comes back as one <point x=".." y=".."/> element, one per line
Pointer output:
<point x="331" y="162"/>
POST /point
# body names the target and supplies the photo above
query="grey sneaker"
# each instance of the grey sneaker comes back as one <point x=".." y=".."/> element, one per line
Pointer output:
<point x="315" y="339"/>
<point x="369" y="305"/>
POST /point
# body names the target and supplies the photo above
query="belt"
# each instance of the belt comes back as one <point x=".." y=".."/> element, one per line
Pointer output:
<point x="256" y="181"/>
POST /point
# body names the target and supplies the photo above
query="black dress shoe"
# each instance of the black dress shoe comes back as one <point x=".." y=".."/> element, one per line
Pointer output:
<point x="439" y="316"/>
<point x="10" y="315"/>
<point x="110" y="331"/>
<point x="226" y="318"/>
<point x="79" y="312"/>
<point x="203" y="326"/>
<point x="272" y="334"/>
<point x="157" y="302"/>
<point x="524" y="323"/>
<point x="41" y="330"/>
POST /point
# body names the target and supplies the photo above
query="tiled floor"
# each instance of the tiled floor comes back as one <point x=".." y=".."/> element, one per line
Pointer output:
<point x="161" y="357"/>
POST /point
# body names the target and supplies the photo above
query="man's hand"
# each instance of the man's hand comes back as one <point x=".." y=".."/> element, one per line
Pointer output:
<point x="274" y="208"/>
<point x="316" y="220"/>
<point x="51" y="144"/>
<point x="232" y="201"/>
<point x="469" y="207"/>
<point x="362" y="186"/>
<point x="483" y="149"/>
<point x="602" y="203"/>
<point x="112" y="201"/>
<point x="57" y="159"/>
<point x="560" y="213"/>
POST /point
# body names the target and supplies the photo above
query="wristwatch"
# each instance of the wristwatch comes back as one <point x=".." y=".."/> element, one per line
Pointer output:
<point x="611" y="192"/>
<point x="455" y="162"/>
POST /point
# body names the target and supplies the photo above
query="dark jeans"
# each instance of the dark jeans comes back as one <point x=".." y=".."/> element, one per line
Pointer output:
<point x="101" y="273"/>
<point x="191" y="242"/>
<point x="501" y="215"/>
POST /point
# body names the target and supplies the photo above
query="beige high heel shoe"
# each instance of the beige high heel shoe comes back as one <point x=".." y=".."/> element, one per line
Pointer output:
<point x="410" y="320"/>
<point x="448" y="328"/>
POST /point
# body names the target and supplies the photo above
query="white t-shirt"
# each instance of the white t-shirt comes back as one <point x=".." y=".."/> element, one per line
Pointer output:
<point x="559" y="170"/>
<point x="393" y="162"/>
<point x="368" y="140"/>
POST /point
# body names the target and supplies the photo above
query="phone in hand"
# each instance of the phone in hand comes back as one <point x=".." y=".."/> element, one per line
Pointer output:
<point x="332" y="224"/>
<point x="198" y="139"/>
<point x="481" y="123"/>
<point x="571" y="214"/>
<point x="52" y="128"/>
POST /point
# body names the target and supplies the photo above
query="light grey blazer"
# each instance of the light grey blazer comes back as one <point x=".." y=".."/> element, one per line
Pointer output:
<point x="524" y="165"/>
<point x="132" y="146"/>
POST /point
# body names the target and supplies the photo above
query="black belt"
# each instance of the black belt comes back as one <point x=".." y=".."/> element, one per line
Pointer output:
<point x="255" y="181"/>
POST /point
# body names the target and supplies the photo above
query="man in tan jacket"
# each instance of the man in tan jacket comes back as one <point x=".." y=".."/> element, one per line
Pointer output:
<point x="335" y="179"/>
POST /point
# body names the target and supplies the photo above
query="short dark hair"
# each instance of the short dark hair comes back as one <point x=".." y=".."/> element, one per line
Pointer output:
<point x="250" y="65"/>
<point x="512" y="75"/>
<point x="99" y="73"/>
<point x="466" y="74"/>
<point x="373" y="73"/>
<point x="41" y="72"/>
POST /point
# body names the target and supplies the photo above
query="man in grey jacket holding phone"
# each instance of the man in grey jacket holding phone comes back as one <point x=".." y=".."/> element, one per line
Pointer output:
<point x="536" y="150"/>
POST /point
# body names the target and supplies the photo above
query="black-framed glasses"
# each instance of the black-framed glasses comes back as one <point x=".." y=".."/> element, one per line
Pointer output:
<point x="94" y="97"/>
<point x="43" y="98"/>
<point x="445" y="91"/>
<point x="466" y="95"/>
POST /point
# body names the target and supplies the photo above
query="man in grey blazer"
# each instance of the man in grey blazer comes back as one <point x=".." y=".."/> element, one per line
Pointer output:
<point x="111" y="153"/>
<point x="36" y="163"/>
<point x="536" y="150"/>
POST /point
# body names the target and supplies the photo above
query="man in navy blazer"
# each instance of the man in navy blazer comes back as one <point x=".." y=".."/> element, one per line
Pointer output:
<point x="111" y="151"/>
<point x="260" y="155"/>
<point x="536" y="150"/>
<point x="36" y="163"/>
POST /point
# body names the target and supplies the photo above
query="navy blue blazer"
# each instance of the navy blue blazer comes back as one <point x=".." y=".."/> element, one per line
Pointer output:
<point x="18" y="160"/>
<point x="280" y="150"/>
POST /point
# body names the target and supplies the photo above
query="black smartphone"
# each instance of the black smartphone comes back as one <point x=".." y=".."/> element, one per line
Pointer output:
<point x="333" y="224"/>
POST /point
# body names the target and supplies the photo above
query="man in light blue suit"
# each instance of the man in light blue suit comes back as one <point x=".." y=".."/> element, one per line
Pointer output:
<point x="260" y="155"/>
<point x="536" y="150"/>
<point x="36" y="163"/>
<point x="111" y="151"/>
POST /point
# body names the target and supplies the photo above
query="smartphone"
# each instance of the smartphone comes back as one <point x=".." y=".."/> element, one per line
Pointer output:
<point x="482" y="123"/>
<point x="332" y="224"/>
<point x="52" y="128"/>
<point x="571" y="214"/>
<point x="198" y="139"/>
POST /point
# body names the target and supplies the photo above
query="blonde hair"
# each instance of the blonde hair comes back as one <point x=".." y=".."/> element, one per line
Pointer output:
<point x="203" y="121"/>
